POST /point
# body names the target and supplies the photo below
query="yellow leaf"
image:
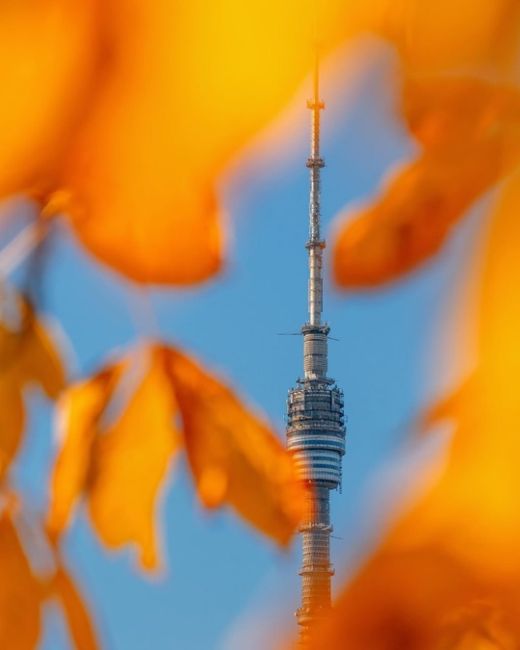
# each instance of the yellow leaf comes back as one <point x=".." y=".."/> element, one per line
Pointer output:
<point x="12" y="420"/>
<point x="76" y="614"/>
<point x="20" y="593"/>
<point x="470" y="131"/>
<point x="447" y="577"/>
<point x="421" y="600"/>
<point x="79" y="412"/>
<point x="117" y="466"/>
<point x="129" y="463"/>
<point x="27" y="355"/>
<point x="433" y="38"/>
<point x="187" y="85"/>
<point x="47" y="56"/>
<point x="38" y="358"/>
<point x="234" y="456"/>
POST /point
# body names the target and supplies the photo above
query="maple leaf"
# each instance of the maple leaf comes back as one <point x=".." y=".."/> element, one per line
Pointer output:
<point x="28" y="355"/>
<point x="47" y="53"/>
<point x="77" y="617"/>
<point x="234" y="456"/>
<point x="79" y="412"/>
<point x="142" y="108"/>
<point x="460" y="100"/>
<point x="119" y="464"/>
<point x="23" y="593"/>
<point x="129" y="463"/>
<point x="470" y="131"/>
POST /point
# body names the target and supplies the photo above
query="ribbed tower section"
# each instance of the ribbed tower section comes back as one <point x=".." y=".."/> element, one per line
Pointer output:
<point x="315" y="416"/>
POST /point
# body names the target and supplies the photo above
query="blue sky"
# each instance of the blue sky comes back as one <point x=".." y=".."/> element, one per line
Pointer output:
<point x="224" y="583"/>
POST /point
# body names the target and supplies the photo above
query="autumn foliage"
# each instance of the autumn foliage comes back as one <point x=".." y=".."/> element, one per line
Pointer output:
<point x="459" y="100"/>
<point x="122" y="430"/>
<point x="141" y="108"/>
<point x="28" y="355"/>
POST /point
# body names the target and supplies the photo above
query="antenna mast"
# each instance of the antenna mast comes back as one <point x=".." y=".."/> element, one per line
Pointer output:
<point x="315" y="163"/>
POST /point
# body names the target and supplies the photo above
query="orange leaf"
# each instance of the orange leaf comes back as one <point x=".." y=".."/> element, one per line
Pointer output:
<point x="235" y="458"/>
<point x="38" y="357"/>
<point x="470" y="131"/>
<point x="12" y="420"/>
<point x="27" y="355"/>
<point x="79" y="412"/>
<point x="421" y="600"/>
<point x="47" y="55"/>
<point x="129" y="463"/>
<point x="433" y="38"/>
<point x="20" y="593"/>
<point x="76" y="614"/>
<point x="180" y="98"/>
<point x="120" y="466"/>
<point x="448" y="574"/>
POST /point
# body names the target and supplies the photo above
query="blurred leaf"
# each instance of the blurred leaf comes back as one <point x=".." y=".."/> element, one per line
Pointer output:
<point x="421" y="599"/>
<point x="47" y="57"/>
<point x="447" y="576"/>
<point x="120" y="463"/>
<point x="470" y="131"/>
<point x="118" y="466"/>
<point x="460" y="100"/>
<point x="76" y="614"/>
<point x="129" y="463"/>
<point x="27" y="355"/>
<point x="234" y="456"/>
<point x="23" y="594"/>
<point x="20" y="593"/>
<point x="435" y="38"/>
<point x="79" y="412"/>
<point x="188" y="85"/>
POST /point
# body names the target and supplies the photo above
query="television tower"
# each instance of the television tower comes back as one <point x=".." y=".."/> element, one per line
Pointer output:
<point x="315" y="418"/>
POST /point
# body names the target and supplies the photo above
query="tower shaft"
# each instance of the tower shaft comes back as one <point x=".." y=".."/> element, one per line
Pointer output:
<point x="315" y="420"/>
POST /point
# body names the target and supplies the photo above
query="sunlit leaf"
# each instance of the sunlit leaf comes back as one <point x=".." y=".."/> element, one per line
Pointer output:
<point x="47" y="56"/>
<point x="470" y="131"/>
<point x="188" y="85"/>
<point x="76" y="614"/>
<point x="23" y="593"/>
<point x="234" y="456"/>
<point x="129" y="463"/>
<point x="118" y="466"/>
<point x="434" y="38"/>
<point x="79" y="412"/>
<point x="28" y="355"/>
<point x="20" y="593"/>
<point x="421" y="600"/>
<point x="120" y="435"/>
<point x="447" y="576"/>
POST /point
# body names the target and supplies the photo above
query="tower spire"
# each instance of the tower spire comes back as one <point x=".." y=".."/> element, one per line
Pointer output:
<point x="315" y="419"/>
<point x="315" y="163"/>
